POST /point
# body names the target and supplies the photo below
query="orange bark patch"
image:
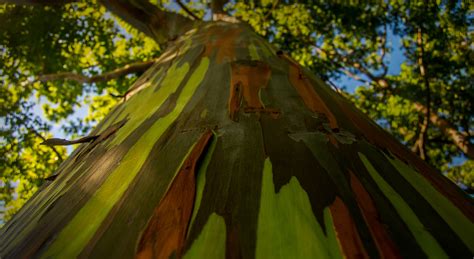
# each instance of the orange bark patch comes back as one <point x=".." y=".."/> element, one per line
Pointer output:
<point x="247" y="79"/>
<point x="346" y="230"/>
<point x="385" y="245"/>
<point x="166" y="231"/>
<point x="224" y="44"/>
<point x="306" y="91"/>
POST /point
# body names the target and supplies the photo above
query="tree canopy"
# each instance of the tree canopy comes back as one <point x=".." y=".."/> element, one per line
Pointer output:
<point x="67" y="57"/>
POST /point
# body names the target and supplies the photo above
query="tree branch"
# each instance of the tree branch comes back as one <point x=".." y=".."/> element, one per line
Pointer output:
<point x="60" y="158"/>
<point x="420" y="143"/>
<point x="149" y="19"/>
<point x="274" y="5"/>
<point x="125" y="70"/>
<point x="422" y="138"/>
<point x="183" y="6"/>
<point x="334" y="86"/>
<point x="383" y="52"/>
<point x="353" y="76"/>
<point x="460" y="140"/>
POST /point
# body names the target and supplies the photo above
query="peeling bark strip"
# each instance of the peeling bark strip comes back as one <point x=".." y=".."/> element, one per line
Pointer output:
<point x="64" y="142"/>
<point x="166" y="230"/>
<point x="247" y="79"/>
<point x="306" y="91"/>
<point x="384" y="243"/>
<point x="347" y="235"/>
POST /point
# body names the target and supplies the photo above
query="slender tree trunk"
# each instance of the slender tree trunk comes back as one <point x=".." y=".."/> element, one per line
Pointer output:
<point x="229" y="149"/>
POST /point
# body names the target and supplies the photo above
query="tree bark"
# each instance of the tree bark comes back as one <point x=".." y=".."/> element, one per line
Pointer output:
<point x="160" y="25"/>
<point x="230" y="150"/>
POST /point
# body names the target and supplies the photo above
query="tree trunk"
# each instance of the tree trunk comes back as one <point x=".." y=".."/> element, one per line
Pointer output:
<point x="228" y="149"/>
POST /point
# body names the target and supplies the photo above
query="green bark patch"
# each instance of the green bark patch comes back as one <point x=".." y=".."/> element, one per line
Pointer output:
<point x="211" y="241"/>
<point x="287" y="227"/>
<point x="147" y="102"/>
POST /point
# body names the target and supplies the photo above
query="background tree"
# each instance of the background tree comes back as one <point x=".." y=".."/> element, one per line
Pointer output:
<point x="331" y="39"/>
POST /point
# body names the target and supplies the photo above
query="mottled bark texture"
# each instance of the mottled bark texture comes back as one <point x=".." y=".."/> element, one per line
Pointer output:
<point x="228" y="149"/>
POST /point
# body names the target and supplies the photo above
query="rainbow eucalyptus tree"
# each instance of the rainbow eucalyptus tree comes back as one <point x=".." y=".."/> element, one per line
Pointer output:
<point x="226" y="147"/>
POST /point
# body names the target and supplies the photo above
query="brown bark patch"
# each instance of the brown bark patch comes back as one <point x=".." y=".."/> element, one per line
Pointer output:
<point x="247" y="80"/>
<point x="224" y="44"/>
<point x="166" y="231"/>
<point x="349" y="240"/>
<point x="385" y="245"/>
<point x="310" y="97"/>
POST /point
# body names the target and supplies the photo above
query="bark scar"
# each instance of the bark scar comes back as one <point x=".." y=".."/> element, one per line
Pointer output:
<point x="248" y="77"/>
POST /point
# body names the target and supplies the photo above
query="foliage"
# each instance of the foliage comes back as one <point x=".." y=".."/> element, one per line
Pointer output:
<point x="81" y="38"/>
<point x="462" y="174"/>
<point x="334" y="39"/>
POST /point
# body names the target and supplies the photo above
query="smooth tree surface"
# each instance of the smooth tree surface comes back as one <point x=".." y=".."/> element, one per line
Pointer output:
<point x="228" y="147"/>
